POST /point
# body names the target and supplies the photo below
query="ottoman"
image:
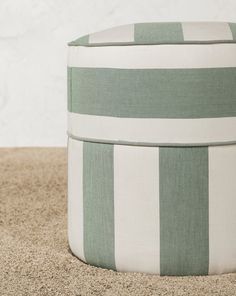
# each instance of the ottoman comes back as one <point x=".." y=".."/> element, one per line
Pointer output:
<point x="152" y="148"/>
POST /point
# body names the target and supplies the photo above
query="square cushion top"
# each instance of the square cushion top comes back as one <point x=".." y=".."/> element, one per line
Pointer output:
<point x="161" y="33"/>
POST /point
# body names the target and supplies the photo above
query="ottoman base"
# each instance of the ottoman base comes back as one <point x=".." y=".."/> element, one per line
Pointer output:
<point x="161" y="210"/>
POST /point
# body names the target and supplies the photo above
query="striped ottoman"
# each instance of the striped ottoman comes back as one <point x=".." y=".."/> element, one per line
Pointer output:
<point x="152" y="148"/>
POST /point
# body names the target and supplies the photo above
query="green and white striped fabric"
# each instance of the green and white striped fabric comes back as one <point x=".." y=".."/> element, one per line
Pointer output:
<point x="152" y="148"/>
<point x="161" y="33"/>
<point x="167" y="210"/>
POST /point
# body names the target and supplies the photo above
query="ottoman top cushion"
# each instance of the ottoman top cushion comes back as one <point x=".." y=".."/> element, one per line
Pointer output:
<point x="161" y="33"/>
<point x="154" y="84"/>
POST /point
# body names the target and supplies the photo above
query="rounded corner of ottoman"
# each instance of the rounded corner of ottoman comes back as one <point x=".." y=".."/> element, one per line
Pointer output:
<point x="75" y="248"/>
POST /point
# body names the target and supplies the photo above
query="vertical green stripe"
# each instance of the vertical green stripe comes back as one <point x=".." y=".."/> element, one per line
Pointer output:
<point x="98" y="192"/>
<point x="69" y="88"/>
<point x="84" y="40"/>
<point x="184" y="246"/>
<point x="158" y="33"/>
<point x="233" y="29"/>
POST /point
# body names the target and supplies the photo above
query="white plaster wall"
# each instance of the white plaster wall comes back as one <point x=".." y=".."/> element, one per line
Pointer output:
<point x="33" y="37"/>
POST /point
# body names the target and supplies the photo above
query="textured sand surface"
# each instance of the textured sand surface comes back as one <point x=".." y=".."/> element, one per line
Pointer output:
<point x="34" y="254"/>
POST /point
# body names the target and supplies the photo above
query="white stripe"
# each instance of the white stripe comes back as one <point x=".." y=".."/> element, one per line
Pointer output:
<point x="154" y="130"/>
<point x="222" y="209"/>
<point x="154" y="56"/>
<point x="136" y="204"/>
<point x="75" y="197"/>
<point x="206" y="31"/>
<point x="117" y="34"/>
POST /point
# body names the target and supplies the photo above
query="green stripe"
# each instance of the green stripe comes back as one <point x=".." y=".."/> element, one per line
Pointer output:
<point x="153" y="33"/>
<point x="154" y="93"/>
<point x="233" y="29"/>
<point x="98" y="204"/>
<point x="184" y="246"/>
<point x="69" y="84"/>
<point x="83" y="41"/>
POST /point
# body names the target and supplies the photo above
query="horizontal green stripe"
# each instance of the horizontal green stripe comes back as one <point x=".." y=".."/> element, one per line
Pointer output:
<point x="184" y="242"/>
<point x="153" y="33"/>
<point x="233" y="29"/>
<point x="98" y="200"/>
<point x="153" y="93"/>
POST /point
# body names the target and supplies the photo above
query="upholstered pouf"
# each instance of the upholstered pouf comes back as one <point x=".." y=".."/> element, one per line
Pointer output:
<point x="152" y="148"/>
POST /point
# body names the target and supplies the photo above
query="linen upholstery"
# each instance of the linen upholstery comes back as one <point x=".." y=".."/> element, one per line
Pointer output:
<point x="152" y="148"/>
<point x="161" y="33"/>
